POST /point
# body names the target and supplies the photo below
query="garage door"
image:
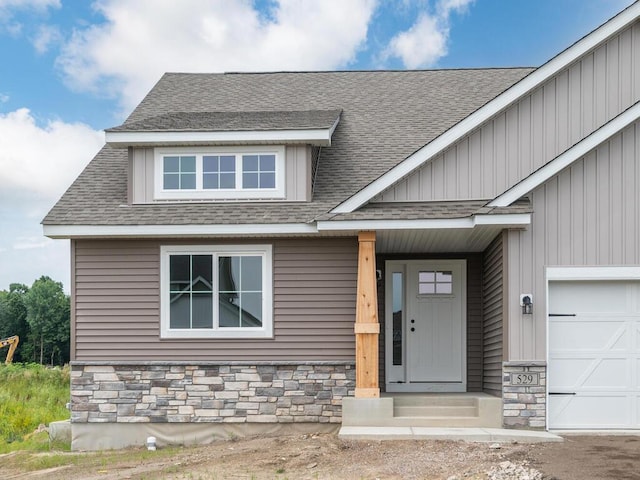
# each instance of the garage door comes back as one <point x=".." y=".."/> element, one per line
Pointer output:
<point x="594" y="355"/>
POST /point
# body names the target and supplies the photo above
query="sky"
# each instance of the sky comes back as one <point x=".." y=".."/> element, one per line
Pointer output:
<point x="71" y="68"/>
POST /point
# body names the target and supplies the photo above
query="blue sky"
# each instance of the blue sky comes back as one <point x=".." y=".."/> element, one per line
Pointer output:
<point x="71" y="68"/>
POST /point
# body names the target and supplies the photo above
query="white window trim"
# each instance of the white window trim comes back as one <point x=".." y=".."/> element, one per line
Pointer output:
<point x="266" y="331"/>
<point x="159" y="193"/>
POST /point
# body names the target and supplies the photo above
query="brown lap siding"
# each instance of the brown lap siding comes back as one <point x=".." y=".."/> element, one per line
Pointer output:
<point x="117" y="303"/>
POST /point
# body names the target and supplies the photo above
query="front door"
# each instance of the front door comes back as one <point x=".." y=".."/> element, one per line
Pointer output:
<point x="426" y="325"/>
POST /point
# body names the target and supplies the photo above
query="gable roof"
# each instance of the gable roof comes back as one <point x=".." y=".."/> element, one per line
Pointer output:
<point x="386" y="116"/>
<point x="473" y="121"/>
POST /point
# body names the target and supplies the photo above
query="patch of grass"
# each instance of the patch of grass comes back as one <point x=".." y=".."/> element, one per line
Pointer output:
<point x="30" y="395"/>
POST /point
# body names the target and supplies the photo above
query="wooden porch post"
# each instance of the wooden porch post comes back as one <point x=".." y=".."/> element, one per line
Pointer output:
<point x="367" y="328"/>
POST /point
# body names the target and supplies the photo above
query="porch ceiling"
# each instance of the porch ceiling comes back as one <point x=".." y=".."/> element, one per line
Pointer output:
<point x="436" y="241"/>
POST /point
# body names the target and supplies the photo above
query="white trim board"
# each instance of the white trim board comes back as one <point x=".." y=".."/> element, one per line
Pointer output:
<point x="142" y="231"/>
<point x="512" y="94"/>
<point x="593" y="273"/>
<point x="320" y="137"/>
<point x="139" y="231"/>
<point x="569" y="156"/>
<point x="506" y="220"/>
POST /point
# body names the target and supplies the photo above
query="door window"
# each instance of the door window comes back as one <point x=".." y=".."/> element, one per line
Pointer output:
<point x="435" y="282"/>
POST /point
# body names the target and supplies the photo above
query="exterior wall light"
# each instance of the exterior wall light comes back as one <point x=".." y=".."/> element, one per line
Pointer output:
<point x="526" y="302"/>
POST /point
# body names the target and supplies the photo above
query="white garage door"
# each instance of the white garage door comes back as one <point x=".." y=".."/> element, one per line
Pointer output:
<point x="594" y="355"/>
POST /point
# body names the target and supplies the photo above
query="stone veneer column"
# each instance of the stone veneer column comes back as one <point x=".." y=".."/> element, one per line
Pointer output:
<point x="180" y="392"/>
<point x="524" y="404"/>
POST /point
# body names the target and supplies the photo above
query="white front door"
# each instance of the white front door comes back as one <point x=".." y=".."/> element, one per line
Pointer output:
<point x="594" y="355"/>
<point x="426" y="325"/>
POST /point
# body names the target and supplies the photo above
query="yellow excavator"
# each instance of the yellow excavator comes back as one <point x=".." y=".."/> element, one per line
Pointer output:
<point x="13" y="344"/>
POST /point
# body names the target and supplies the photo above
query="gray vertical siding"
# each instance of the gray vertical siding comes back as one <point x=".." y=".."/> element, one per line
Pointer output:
<point x="117" y="304"/>
<point x="492" y="331"/>
<point x="297" y="174"/>
<point x="588" y="214"/>
<point x="534" y="130"/>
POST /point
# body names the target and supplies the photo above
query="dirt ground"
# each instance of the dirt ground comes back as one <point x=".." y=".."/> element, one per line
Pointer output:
<point x="327" y="457"/>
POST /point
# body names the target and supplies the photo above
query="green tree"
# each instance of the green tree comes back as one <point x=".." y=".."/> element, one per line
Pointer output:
<point x="48" y="318"/>
<point x="13" y="318"/>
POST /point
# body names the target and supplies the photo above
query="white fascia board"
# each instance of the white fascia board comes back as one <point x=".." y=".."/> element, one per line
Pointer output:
<point x="593" y="273"/>
<point x="484" y="113"/>
<point x="507" y="220"/>
<point x="142" y="231"/>
<point x="319" y="137"/>
<point x="569" y="156"/>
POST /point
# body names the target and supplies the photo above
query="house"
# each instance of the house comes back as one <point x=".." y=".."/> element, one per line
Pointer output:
<point x="261" y="251"/>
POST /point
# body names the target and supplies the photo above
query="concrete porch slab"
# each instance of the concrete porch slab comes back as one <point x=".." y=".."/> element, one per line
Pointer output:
<point x="498" y="435"/>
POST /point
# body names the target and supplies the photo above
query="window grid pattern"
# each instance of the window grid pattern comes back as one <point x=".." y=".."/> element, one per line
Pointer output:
<point x="433" y="282"/>
<point x="218" y="172"/>
<point x="179" y="172"/>
<point x="259" y="171"/>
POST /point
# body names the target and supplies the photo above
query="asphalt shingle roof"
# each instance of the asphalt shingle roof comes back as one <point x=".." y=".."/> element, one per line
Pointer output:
<point x="233" y="121"/>
<point x="386" y="116"/>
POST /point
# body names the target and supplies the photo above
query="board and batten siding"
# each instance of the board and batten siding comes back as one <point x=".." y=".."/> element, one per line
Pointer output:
<point x="588" y="214"/>
<point x="493" y="284"/>
<point x="534" y="130"/>
<point x="297" y="174"/>
<point x="117" y="304"/>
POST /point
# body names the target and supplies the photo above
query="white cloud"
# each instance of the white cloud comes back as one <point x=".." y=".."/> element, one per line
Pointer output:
<point x="37" y="163"/>
<point x="42" y="161"/>
<point x="8" y="8"/>
<point x="45" y="36"/>
<point x="4" y="98"/>
<point x="425" y="42"/>
<point x="139" y="41"/>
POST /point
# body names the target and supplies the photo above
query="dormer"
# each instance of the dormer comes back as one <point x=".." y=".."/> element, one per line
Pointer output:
<point x="224" y="156"/>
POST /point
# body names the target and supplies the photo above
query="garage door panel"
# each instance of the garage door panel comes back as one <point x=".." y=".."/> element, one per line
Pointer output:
<point x="594" y="354"/>
<point x="594" y="334"/>
<point x="570" y="374"/>
<point x="589" y="297"/>
<point x="594" y="411"/>
<point x="607" y="374"/>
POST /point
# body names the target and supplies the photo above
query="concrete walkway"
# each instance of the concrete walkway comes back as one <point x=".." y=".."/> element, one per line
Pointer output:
<point x="498" y="435"/>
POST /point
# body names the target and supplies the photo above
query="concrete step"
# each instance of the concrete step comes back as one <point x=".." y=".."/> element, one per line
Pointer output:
<point x="437" y="422"/>
<point x="435" y="411"/>
<point x="435" y="400"/>
<point x="424" y="410"/>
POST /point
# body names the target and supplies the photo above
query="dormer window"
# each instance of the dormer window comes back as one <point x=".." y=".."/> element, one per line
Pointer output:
<point x="217" y="173"/>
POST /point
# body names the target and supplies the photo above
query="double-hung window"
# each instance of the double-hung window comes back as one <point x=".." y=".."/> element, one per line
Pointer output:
<point x="216" y="291"/>
<point x="183" y="173"/>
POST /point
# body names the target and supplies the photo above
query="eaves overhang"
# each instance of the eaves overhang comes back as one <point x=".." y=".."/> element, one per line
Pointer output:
<point x="316" y="137"/>
<point x="181" y="231"/>
<point x="518" y="220"/>
<point x="338" y="227"/>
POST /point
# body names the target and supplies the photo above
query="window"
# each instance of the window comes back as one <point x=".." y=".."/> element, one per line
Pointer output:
<point x="219" y="173"/>
<point x="216" y="291"/>
<point x="435" y="282"/>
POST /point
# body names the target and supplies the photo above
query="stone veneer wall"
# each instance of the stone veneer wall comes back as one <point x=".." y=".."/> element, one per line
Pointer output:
<point x="524" y="406"/>
<point x="183" y="393"/>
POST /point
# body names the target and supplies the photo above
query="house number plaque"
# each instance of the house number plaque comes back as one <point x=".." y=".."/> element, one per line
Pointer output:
<point x="525" y="379"/>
